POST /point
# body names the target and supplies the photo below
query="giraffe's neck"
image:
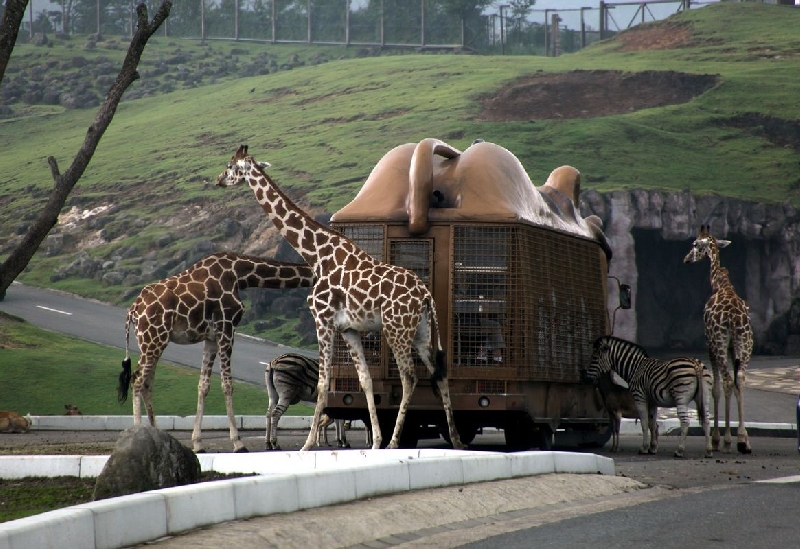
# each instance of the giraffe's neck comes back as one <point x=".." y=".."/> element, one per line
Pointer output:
<point x="304" y="233"/>
<point x="251" y="273"/>
<point x="716" y="273"/>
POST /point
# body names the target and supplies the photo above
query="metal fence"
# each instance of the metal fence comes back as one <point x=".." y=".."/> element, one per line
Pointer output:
<point x="385" y="23"/>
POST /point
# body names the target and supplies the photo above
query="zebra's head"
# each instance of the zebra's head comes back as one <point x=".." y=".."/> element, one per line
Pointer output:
<point x="601" y="360"/>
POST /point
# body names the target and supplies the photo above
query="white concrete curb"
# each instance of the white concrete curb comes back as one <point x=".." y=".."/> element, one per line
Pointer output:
<point x="286" y="481"/>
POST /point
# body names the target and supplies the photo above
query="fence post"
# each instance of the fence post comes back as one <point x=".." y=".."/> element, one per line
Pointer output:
<point x="274" y="18"/>
<point x="602" y="19"/>
<point x="347" y="22"/>
<point x="422" y="23"/>
<point x="236" y="21"/>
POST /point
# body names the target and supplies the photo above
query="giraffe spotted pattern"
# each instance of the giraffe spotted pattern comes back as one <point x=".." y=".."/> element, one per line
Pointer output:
<point x="353" y="294"/>
<point x="200" y="304"/>
<point x="729" y="335"/>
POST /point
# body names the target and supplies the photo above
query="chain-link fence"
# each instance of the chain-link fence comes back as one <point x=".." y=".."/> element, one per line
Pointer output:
<point x="433" y="24"/>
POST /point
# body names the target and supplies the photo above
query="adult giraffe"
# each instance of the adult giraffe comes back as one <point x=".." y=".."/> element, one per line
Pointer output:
<point x="354" y="293"/>
<point x="728" y="333"/>
<point x="199" y="304"/>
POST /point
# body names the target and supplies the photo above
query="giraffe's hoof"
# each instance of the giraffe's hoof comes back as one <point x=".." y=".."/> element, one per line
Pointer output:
<point x="744" y="448"/>
<point x="709" y="454"/>
<point x="200" y="451"/>
<point x="241" y="450"/>
<point x="678" y="454"/>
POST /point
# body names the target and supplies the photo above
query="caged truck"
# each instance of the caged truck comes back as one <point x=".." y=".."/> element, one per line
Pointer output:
<point x="520" y="284"/>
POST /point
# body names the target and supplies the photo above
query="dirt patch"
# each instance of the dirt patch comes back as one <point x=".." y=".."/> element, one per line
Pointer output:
<point x="780" y="132"/>
<point x="589" y="94"/>
<point x="656" y="36"/>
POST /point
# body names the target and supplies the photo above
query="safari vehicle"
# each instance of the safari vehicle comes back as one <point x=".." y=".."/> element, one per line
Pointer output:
<point x="519" y="279"/>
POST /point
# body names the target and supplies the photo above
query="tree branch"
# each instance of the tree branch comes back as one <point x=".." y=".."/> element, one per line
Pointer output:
<point x="9" y="28"/>
<point x="64" y="183"/>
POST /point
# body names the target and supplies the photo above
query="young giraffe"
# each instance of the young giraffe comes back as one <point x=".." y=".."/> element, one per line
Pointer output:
<point x="354" y="293"/>
<point x="200" y="304"/>
<point x="728" y="333"/>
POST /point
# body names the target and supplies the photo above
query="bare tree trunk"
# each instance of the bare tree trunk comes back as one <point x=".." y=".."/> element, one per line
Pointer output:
<point x="64" y="183"/>
<point x="9" y="27"/>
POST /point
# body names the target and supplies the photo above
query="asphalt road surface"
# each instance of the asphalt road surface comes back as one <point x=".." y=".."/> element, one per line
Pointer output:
<point x="105" y="324"/>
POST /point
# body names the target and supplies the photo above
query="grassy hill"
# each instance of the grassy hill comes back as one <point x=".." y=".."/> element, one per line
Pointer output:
<point x="636" y="119"/>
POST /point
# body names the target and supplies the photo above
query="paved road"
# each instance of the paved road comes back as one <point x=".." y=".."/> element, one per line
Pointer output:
<point x="105" y="324"/>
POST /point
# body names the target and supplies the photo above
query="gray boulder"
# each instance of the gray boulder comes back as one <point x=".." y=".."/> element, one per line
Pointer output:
<point x="145" y="458"/>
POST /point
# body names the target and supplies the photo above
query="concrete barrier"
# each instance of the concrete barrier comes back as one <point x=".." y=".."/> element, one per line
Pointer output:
<point x="285" y="482"/>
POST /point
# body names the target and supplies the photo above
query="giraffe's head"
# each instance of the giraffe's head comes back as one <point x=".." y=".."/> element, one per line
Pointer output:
<point x="240" y="165"/>
<point x="704" y="245"/>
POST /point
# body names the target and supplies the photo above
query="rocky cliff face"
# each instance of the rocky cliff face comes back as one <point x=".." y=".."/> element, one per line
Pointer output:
<point x="651" y="232"/>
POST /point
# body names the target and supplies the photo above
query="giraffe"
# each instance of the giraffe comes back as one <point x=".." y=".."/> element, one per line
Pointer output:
<point x="728" y="333"/>
<point x="199" y="304"/>
<point x="353" y="294"/>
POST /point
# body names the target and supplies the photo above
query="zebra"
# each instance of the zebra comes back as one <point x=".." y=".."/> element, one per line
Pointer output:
<point x="292" y="378"/>
<point x="654" y="383"/>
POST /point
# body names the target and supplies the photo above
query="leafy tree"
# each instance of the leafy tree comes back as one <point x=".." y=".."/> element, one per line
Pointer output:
<point x="64" y="183"/>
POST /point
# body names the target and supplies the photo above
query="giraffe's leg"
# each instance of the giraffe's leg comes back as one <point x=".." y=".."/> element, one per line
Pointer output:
<point x="325" y="338"/>
<point x="683" y="417"/>
<point x="704" y="394"/>
<point x="716" y="393"/>
<point x="422" y="343"/>
<point x="727" y="388"/>
<point x="143" y="387"/>
<point x="743" y="441"/>
<point x="409" y="380"/>
<point x="353" y="340"/>
<point x="203" y="386"/>
<point x="226" y="349"/>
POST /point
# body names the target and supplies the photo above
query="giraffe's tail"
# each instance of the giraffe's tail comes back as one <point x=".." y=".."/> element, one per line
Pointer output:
<point x="440" y="364"/>
<point x="125" y="374"/>
<point x="737" y="364"/>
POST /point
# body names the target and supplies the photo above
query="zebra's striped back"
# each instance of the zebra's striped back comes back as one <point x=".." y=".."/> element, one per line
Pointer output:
<point x="296" y="371"/>
<point x="663" y="383"/>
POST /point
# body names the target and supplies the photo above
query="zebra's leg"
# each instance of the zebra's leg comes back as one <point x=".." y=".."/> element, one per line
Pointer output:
<point x="652" y="423"/>
<point x="683" y="417"/>
<point x="275" y="418"/>
<point x="742" y="440"/>
<point x="616" y="423"/>
<point x="641" y="407"/>
<point x="341" y="433"/>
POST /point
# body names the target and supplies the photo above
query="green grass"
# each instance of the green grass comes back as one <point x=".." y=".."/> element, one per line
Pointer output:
<point x="40" y="371"/>
<point x="324" y="127"/>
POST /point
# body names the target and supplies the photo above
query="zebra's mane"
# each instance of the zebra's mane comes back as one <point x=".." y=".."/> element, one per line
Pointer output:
<point x="623" y="343"/>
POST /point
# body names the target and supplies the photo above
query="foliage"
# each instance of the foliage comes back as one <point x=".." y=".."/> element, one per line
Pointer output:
<point x="323" y="133"/>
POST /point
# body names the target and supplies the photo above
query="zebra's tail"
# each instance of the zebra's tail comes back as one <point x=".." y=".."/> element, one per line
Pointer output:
<point x="702" y="405"/>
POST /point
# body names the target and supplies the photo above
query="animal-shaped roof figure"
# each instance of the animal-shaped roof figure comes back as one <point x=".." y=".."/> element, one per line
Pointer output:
<point x="431" y="181"/>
